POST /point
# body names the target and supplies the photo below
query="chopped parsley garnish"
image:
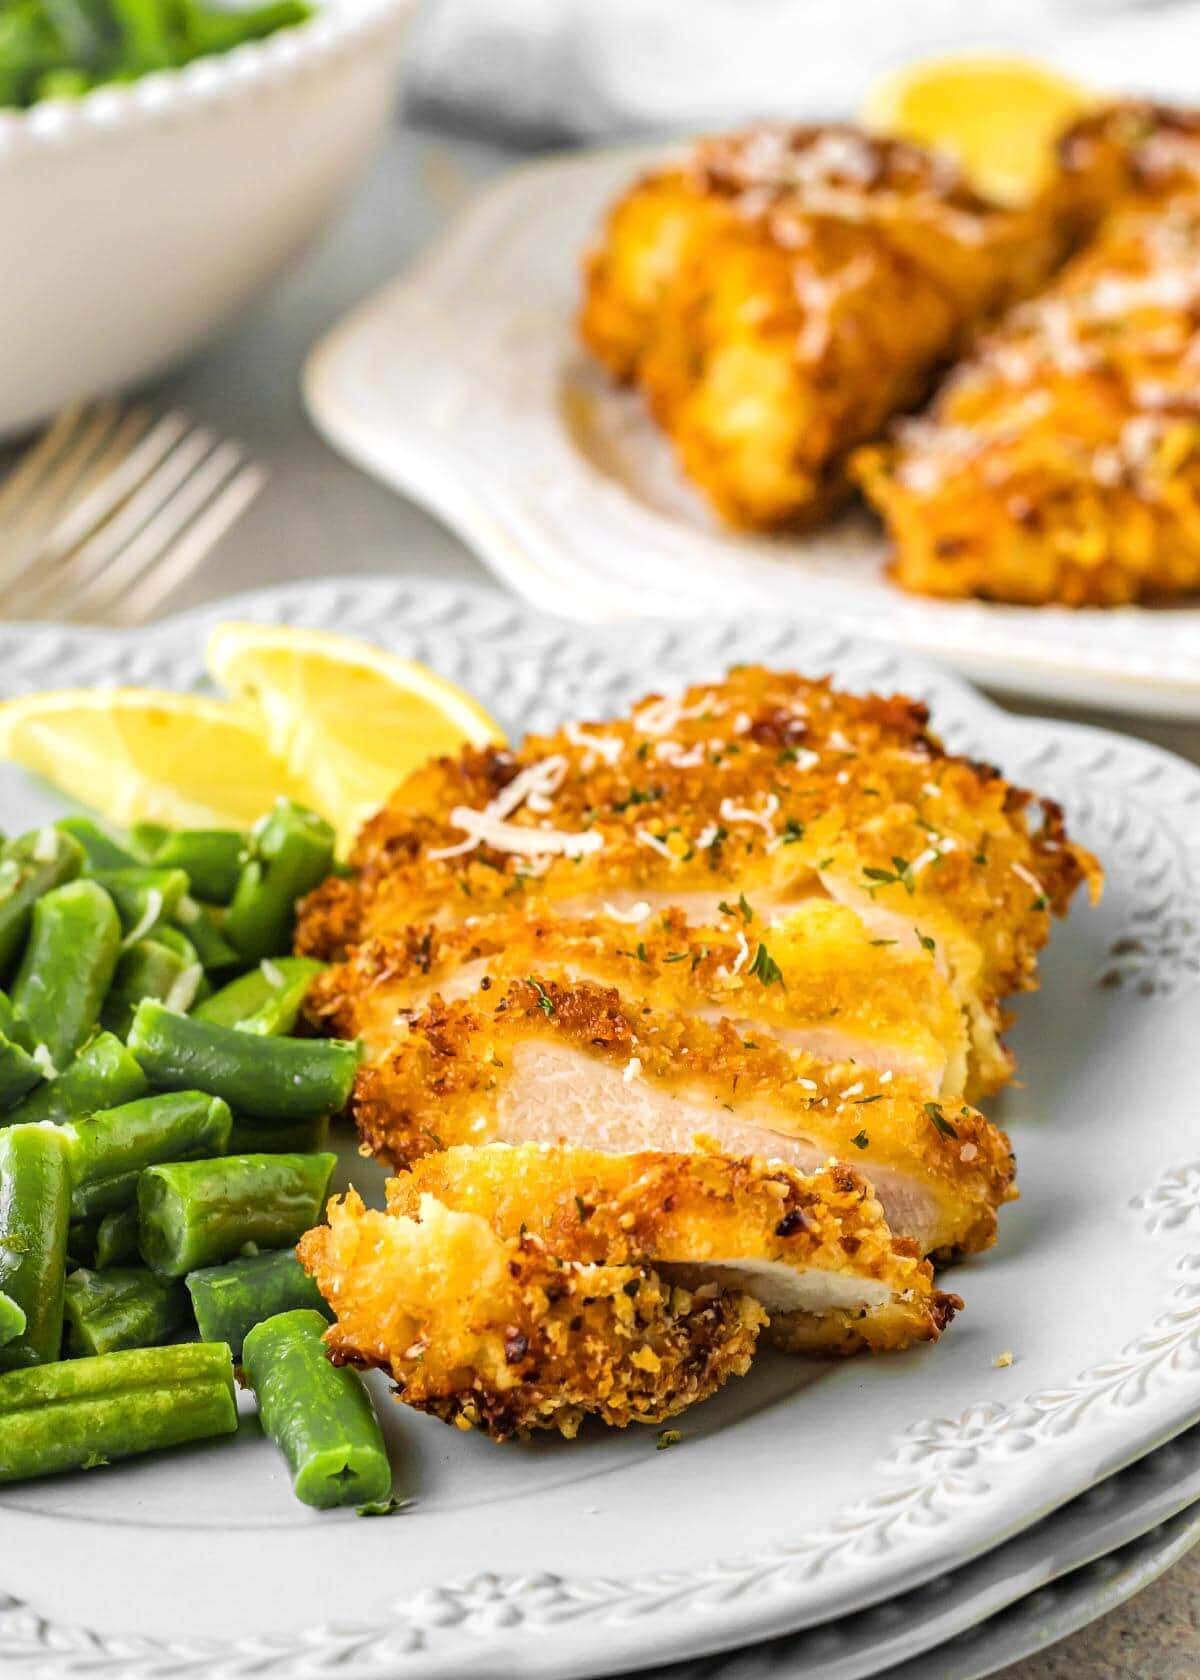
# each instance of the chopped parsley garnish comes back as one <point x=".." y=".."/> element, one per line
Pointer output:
<point x="741" y="908"/>
<point x="667" y="1438"/>
<point x="584" y="1211"/>
<point x="638" y="796"/>
<point x="861" y="1102"/>
<point x="1040" y="902"/>
<point x="676" y="956"/>
<point x="545" y="1001"/>
<point x="860" y="1140"/>
<point x="765" y="968"/>
<point x="640" y="951"/>
<point x="883" y="942"/>
<point x="793" y="831"/>
<point x="927" y="944"/>
<point x="934" y="1111"/>
<point x="900" y="875"/>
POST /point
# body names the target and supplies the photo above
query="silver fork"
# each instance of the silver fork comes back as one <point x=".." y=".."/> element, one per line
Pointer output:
<point x="111" y="510"/>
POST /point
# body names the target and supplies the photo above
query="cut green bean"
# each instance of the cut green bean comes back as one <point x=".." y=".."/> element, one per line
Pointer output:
<point x="289" y="852"/>
<point x="109" y="1150"/>
<point x="74" y="942"/>
<point x="79" y="1413"/>
<point x="19" y="1073"/>
<point x="278" y="1137"/>
<point x="265" y="1001"/>
<point x="144" y="897"/>
<point x="202" y="926"/>
<point x="101" y="849"/>
<point x="35" y="1207"/>
<point x="11" y="1026"/>
<point x="230" y="1300"/>
<point x="201" y="1213"/>
<point x="31" y="865"/>
<point x="150" y="968"/>
<point x="125" y="1307"/>
<point x="284" y="1078"/>
<point x="81" y="1243"/>
<point x="211" y="858"/>
<point x="117" y="1239"/>
<point x="318" y="1414"/>
<point x="12" y="1319"/>
<point x="103" y="1075"/>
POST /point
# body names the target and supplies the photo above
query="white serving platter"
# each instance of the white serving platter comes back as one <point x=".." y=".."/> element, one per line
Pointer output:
<point x="463" y="385"/>
<point x="803" y="1492"/>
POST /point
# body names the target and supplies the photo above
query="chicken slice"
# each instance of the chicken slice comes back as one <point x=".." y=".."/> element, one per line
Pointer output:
<point x="842" y="995"/>
<point x="547" y="1062"/>
<point x="814" y="1250"/>
<point x="493" y="1332"/>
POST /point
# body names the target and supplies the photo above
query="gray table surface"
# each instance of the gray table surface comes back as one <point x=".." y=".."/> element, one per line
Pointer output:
<point x="319" y="516"/>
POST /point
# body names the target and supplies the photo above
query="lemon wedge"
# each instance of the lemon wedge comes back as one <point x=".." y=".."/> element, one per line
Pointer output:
<point x="998" y="117"/>
<point x="349" y="719"/>
<point x="140" y="755"/>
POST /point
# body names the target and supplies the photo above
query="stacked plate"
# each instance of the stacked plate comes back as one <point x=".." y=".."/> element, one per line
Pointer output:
<point x="841" y="1521"/>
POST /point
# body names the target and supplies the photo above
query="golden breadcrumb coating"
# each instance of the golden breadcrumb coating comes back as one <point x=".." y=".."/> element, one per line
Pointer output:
<point x="541" y="1061"/>
<point x="767" y="785"/>
<point x="803" y="1245"/>
<point x="779" y="293"/>
<point x="842" y="993"/>
<point x="492" y="1332"/>
<point x="1061" y="462"/>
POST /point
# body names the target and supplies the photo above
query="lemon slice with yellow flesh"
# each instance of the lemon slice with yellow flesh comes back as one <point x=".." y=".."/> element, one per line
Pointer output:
<point x="141" y="755"/>
<point x="349" y="719"/>
<point x="998" y="117"/>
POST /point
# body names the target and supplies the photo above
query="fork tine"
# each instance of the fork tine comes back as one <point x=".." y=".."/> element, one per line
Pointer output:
<point x="55" y="487"/>
<point x="145" y="547"/>
<point x="178" y="563"/>
<point x="116" y="476"/>
<point x="90" y="561"/>
<point x="29" y="468"/>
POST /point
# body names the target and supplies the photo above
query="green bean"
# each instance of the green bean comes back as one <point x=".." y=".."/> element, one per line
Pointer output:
<point x="211" y="858"/>
<point x="201" y="1213"/>
<point x="286" y="1078"/>
<point x="12" y="1319"/>
<point x="81" y="1242"/>
<point x="78" y="1413"/>
<point x="202" y="926"/>
<point x="274" y="1137"/>
<point x="101" y="849"/>
<point x="67" y="967"/>
<point x="150" y="968"/>
<point x="144" y="897"/>
<point x="103" y="1075"/>
<point x="125" y="1307"/>
<point x="289" y="853"/>
<point x="318" y="1414"/>
<point x="30" y="866"/>
<point x="146" y="838"/>
<point x="230" y="1300"/>
<point x="109" y="1150"/>
<point x="265" y="1001"/>
<point x="212" y="29"/>
<point x="19" y="1073"/>
<point x="117" y="1238"/>
<point x="35" y="1205"/>
<point x="11" y="1026"/>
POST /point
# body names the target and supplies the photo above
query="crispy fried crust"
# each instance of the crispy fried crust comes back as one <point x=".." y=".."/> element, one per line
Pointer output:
<point x="700" y="1212"/>
<point x="838" y="986"/>
<point x="490" y="1332"/>
<point x="447" y="1078"/>
<point x="1061" y="462"/>
<point x="767" y="784"/>
<point x="780" y="292"/>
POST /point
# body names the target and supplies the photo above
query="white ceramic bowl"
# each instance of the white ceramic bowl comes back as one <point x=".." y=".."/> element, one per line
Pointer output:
<point x="138" y="219"/>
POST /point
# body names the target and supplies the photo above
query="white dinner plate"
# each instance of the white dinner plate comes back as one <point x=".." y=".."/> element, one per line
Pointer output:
<point x="801" y="1492"/>
<point x="463" y="385"/>
<point x="916" y="1633"/>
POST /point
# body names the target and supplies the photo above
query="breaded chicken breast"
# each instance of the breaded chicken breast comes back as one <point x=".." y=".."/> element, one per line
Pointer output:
<point x="576" y="1065"/>
<point x="494" y="1332"/>
<point x="769" y="787"/>
<point x="842" y="994"/>
<point x="1061" y="461"/>
<point x="781" y="292"/>
<point x="515" y="1289"/>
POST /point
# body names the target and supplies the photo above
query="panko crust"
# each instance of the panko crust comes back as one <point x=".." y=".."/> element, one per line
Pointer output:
<point x="491" y="1332"/>
<point x="1061" y="462"/>
<point x="740" y="284"/>
<point x="666" y="1209"/>
<point x="835" y="978"/>
<point x="442" y="1082"/>
<point x="768" y="784"/>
